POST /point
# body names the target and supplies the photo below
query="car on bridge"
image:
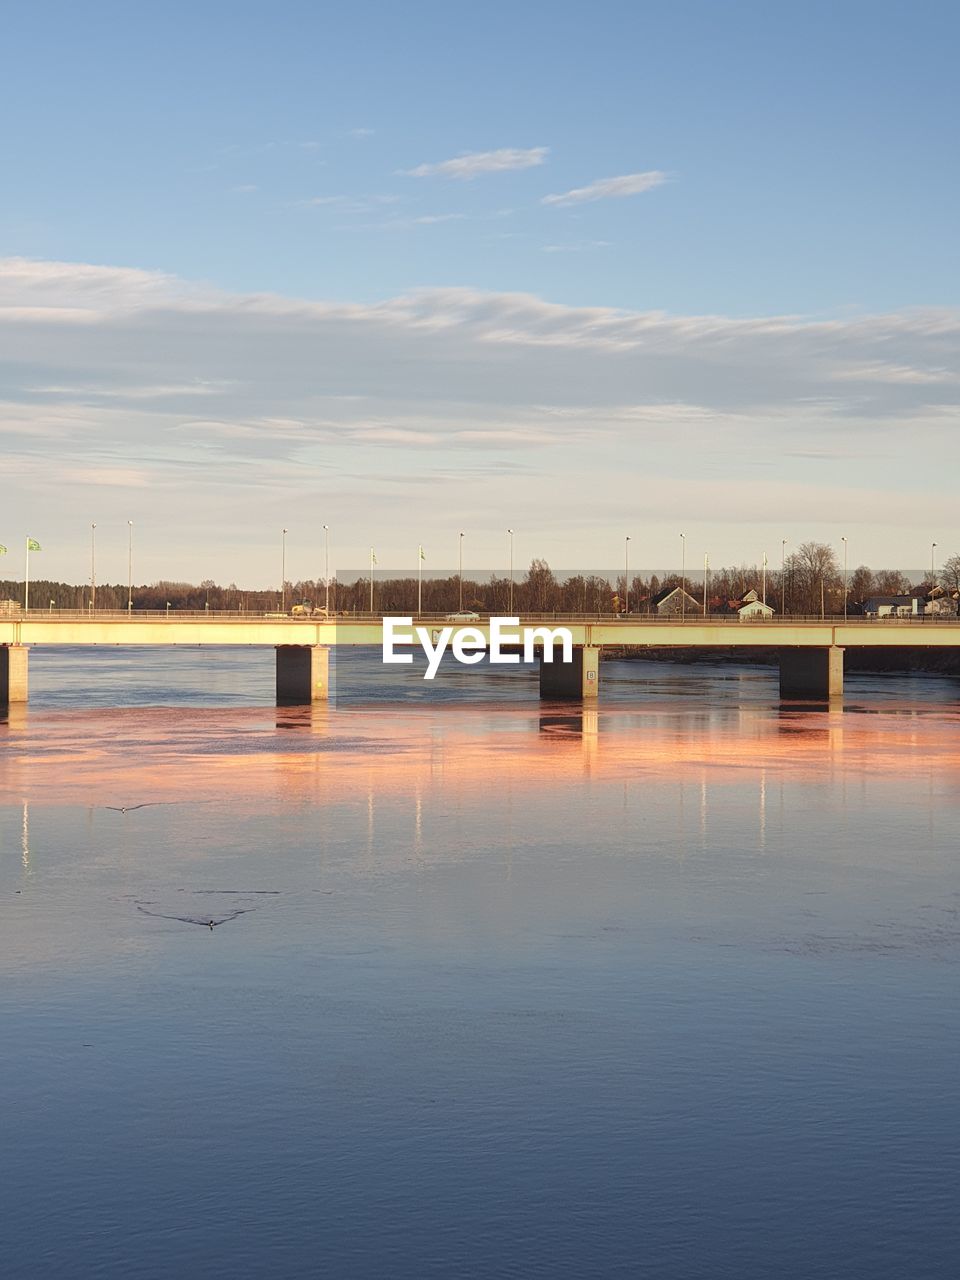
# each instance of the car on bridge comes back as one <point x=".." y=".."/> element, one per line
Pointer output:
<point x="465" y="615"/>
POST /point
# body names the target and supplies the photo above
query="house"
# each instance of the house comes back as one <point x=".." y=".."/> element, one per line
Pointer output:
<point x="751" y="606"/>
<point x="747" y="606"/>
<point x="674" y="602"/>
<point x="940" y="603"/>
<point x="902" y="606"/>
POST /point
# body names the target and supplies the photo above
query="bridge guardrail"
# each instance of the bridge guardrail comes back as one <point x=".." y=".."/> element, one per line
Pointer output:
<point x="690" y="619"/>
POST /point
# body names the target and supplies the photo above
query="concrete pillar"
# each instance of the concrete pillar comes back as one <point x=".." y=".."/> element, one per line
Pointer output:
<point x="811" y="675"/>
<point x="13" y="673"/>
<point x="577" y="679"/>
<point x="303" y="674"/>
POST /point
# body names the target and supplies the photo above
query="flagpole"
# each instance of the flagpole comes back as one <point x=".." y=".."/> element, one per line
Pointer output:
<point x="26" y="580"/>
<point x="373" y="561"/>
<point x="419" y="580"/>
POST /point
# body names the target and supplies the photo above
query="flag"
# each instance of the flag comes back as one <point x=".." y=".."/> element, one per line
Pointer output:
<point x="422" y="556"/>
<point x="3" y="551"/>
<point x="33" y="545"/>
<point x="373" y="556"/>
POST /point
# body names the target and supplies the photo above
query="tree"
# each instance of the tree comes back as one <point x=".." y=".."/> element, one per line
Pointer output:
<point x="540" y="587"/>
<point x="950" y="574"/>
<point x="890" y="582"/>
<point x="860" y="587"/>
<point x="813" y="580"/>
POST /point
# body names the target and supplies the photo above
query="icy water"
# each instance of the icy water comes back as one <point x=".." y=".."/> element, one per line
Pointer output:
<point x="667" y="989"/>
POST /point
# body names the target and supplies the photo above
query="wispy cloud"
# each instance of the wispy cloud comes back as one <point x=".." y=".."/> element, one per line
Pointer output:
<point x="476" y="162"/>
<point x="628" y="184"/>
<point x="244" y="188"/>
<point x="215" y="394"/>
<point x="583" y="246"/>
<point x="361" y="133"/>
<point x="348" y="204"/>
<point x="427" y="218"/>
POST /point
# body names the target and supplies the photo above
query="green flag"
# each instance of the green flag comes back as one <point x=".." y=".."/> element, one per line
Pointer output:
<point x="3" y="551"/>
<point x="33" y="545"/>
<point x="373" y="557"/>
<point x="422" y="556"/>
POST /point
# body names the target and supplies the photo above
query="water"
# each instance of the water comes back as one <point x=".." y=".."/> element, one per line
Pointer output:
<point x="666" y="988"/>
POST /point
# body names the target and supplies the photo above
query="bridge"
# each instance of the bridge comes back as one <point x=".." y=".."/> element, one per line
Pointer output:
<point x="810" y="650"/>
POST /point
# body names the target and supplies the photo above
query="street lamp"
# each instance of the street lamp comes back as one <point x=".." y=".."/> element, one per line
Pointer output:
<point x="683" y="577"/>
<point x="168" y="608"/>
<point x="933" y="547"/>
<point x="460" y="570"/>
<point x="844" y="541"/>
<point x="510" y="532"/>
<point x="326" y="568"/>
<point x="783" y="575"/>
<point x="706" y="574"/>
<point x="626" y="574"/>
<point x="93" y="567"/>
<point x="129" y="566"/>
<point x="51" y="606"/>
<point x="283" y="570"/>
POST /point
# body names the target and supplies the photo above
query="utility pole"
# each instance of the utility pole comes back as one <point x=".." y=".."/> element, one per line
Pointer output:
<point x="706" y="574"/>
<point x="283" y="570"/>
<point x="510" y="532"/>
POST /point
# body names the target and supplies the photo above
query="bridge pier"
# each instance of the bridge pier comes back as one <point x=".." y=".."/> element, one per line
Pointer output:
<point x="811" y="675"/>
<point x="576" y="680"/>
<point x="303" y="674"/>
<point x="13" y="673"/>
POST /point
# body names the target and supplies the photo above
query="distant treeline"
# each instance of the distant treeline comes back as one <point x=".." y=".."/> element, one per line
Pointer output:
<point x="812" y="581"/>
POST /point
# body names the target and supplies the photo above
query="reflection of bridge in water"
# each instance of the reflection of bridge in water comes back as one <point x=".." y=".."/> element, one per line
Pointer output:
<point x="810" y="651"/>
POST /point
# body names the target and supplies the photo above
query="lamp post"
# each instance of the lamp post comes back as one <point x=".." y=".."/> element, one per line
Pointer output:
<point x="51" y="606"/>
<point x="683" y="578"/>
<point x="844" y="541"/>
<point x="93" y="567"/>
<point x="373" y="562"/>
<point x="510" y="532"/>
<point x="129" y="566"/>
<point x="460" y="569"/>
<point x="933" y="547"/>
<point x="168" y="610"/>
<point x="783" y="575"/>
<point x="626" y="574"/>
<point x="763" y="579"/>
<point x="420" y="559"/>
<point x="326" y="568"/>
<point x="706" y="574"/>
<point x="283" y="571"/>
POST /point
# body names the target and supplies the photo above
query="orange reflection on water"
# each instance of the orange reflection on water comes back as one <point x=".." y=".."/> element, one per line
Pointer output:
<point x="134" y="756"/>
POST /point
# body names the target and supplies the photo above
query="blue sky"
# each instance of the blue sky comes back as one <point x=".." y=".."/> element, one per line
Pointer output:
<point x="793" y="163"/>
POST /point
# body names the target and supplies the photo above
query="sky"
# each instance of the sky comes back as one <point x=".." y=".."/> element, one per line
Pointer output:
<point x="582" y="270"/>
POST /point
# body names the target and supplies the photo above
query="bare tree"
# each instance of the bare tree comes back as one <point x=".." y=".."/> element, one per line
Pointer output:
<point x="890" y="582"/>
<point x="813" y="579"/>
<point x="950" y="574"/>
<point x="860" y="585"/>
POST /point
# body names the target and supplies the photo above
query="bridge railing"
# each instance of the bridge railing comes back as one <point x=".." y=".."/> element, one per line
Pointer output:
<point x="442" y="619"/>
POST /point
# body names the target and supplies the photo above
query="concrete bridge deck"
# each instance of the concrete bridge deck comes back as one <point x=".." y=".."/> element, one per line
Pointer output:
<point x="810" y="649"/>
